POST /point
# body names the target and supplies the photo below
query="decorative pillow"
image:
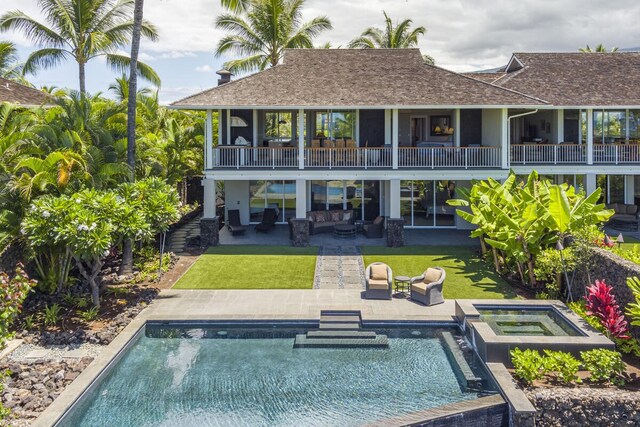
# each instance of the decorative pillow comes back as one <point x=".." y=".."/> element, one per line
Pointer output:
<point x="319" y="217"/>
<point x="346" y="216"/>
<point x="378" y="272"/>
<point x="335" y="216"/>
<point x="614" y="206"/>
<point x="311" y="217"/>
<point x="432" y="275"/>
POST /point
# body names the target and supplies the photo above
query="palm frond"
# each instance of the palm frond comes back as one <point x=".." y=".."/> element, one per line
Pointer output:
<point x="121" y="63"/>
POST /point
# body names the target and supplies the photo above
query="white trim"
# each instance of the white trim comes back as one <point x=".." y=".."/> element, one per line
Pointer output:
<point x="255" y="127"/>
<point x="219" y="127"/>
<point x="560" y="125"/>
<point x="407" y="107"/>
<point x="387" y="126"/>
<point x="208" y="132"/>
<point x="301" y="139"/>
<point x="395" y="129"/>
<point x="456" y="127"/>
<point x="228" y="126"/>
<point x="369" y="175"/>
<point x="508" y="67"/>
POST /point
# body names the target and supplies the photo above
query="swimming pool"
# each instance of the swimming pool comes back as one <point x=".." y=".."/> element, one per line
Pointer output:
<point x="234" y="375"/>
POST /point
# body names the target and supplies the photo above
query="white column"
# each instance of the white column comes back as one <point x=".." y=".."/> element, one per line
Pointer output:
<point x="219" y="128"/>
<point x="208" y="143"/>
<point x="301" y="198"/>
<point x="301" y="140"/>
<point x="456" y="127"/>
<point x="590" y="183"/>
<point x="560" y="124"/>
<point x="626" y="119"/>
<point x="394" y="196"/>
<point x="255" y="127"/>
<point x="209" y="205"/>
<point x="387" y="127"/>
<point x="394" y="138"/>
<point x="228" y="126"/>
<point x="357" y="130"/>
<point x="590" y="137"/>
<point x="629" y="190"/>
<point x="504" y="137"/>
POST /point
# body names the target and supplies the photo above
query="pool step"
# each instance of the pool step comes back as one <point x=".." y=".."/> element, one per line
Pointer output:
<point x="468" y="380"/>
<point x="303" y="341"/>
<point x="341" y="334"/>
<point x="340" y="329"/>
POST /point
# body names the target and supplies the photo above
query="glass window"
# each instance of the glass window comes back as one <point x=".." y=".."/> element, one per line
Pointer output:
<point x="257" y="201"/>
<point x="277" y="124"/>
<point x="636" y="189"/>
<point x="406" y="201"/>
<point x="279" y="195"/>
<point x="445" y="214"/>
<point x="335" y="192"/>
<point x="612" y="188"/>
<point x="634" y="125"/>
<point x="335" y="124"/>
<point x="322" y="124"/>
<point x="289" y="201"/>
<point x="609" y="126"/>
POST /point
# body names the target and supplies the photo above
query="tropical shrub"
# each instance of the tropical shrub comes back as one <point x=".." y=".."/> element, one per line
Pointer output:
<point x="520" y="221"/>
<point x="604" y="365"/>
<point x="632" y="254"/>
<point x="549" y="268"/>
<point x="563" y="365"/>
<point x="13" y="291"/>
<point x="529" y="365"/>
<point x="52" y="314"/>
<point x="601" y="303"/>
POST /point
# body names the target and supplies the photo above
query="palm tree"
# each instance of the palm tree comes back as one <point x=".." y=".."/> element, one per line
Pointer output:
<point x="10" y="68"/>
<point x="236" y="5"/>
<point x="82" y="30"/>
<point x="599" y="49"/>
<point x="398" y="36"/>
<point x="262" y="31"/>
<point x="120" y="88"/>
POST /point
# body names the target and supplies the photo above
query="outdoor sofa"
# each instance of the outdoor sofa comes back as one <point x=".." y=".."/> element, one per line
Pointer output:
<point x="378" y="279"/>
<point x="427" y="288"/>
<point x="324" y="221"/>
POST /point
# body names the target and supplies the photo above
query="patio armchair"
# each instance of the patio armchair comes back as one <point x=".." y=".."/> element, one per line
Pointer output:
<point x="427" y="288"/>
<point x="233" y="222"/>
<point x="374" y="230"/>
<point x="269" y="219"/>
<point x="378" y="281"/>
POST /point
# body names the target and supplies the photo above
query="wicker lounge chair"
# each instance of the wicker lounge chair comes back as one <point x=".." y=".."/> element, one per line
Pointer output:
<point x="269" y="218"/>
<point x="233" y="222"/>
<point x="378" y="281"/>
<point x="427" y="288"/>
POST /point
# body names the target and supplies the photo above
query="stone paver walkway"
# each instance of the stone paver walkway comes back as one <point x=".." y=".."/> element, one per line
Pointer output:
<point x="179" y="238"/>
<point x="339" y="267"/>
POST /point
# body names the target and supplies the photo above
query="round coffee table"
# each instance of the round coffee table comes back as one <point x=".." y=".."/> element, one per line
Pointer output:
<point x="344" y="231"/>
<point x="402" y="285"/>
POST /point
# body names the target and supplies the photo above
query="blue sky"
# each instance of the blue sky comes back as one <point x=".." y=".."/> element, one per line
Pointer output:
<point x="461" y="34"/>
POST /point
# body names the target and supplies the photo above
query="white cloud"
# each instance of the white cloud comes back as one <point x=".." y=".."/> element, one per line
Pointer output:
<point x="145" y="57"/>
<point x="174" y="54"/>
<point x="204" y="69"/>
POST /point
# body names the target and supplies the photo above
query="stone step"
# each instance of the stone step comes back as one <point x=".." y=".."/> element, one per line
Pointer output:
<point x="380" y="341"/>
<point x="340" y="334"/>
<point x="340" y="319"/>
<point x="339" y="326"/>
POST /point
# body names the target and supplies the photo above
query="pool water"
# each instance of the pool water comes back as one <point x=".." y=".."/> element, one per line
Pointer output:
<point x="532" y="321"/>
<point x="254" y="377"/>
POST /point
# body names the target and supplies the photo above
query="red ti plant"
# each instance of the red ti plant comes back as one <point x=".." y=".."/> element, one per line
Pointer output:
<point x="602" y="304"/>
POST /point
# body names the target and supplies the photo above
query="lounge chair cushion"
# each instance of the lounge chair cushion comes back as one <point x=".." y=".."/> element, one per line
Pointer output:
<point x="378" y="284"/>
<point x="632" y="209"/>
<point x="420" y="288"/>
<point x="346" y="216"/>
<point x="378" y="220"/>
<point x="319" y="217"/>
<point x="379" y="272"/>
<point x="432" y="275"/>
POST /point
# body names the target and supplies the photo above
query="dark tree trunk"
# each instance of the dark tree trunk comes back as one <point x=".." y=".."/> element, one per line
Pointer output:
<point x="127" y="247"/>
<point x="90" y="273"/>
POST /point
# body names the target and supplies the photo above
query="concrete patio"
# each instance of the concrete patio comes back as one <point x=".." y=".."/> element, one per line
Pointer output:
<point x="287" y="304"/>
<point x="280" y="236"/>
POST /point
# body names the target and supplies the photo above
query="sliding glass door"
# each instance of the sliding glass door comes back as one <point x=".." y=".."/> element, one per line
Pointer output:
<point x="279" y="195"/>
<point x="424" y="203"/>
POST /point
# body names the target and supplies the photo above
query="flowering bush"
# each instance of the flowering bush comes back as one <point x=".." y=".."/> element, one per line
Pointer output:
<point x="604" y="242"/>
<point x="602" y="304"/>
<point x="13" y="291"/>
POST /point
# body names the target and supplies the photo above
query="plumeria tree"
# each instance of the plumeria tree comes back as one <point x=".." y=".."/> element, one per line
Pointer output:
<point x="87" y="225"/>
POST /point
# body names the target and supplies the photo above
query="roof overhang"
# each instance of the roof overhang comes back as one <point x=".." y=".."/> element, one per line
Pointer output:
<point x="352" y="107"/>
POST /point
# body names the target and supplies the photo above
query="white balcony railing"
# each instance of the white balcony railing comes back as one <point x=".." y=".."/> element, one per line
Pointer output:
<point x="255" y="157"/>
<point x="449" y="157"/>
<point x="551" y="154"/>
<point x="616" y="153"/>
<point x="354" y="158"/>
<point x="234" y="157"/>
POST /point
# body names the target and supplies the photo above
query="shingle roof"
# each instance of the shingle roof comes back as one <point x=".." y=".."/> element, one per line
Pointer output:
<point x="358" y="78"/>
<point x="578" y="79"/>
<point x="485" y="77"/>
<point x="16" y="93"/>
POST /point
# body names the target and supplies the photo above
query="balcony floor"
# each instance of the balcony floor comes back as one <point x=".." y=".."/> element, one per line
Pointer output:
<point x="412" y="237"/>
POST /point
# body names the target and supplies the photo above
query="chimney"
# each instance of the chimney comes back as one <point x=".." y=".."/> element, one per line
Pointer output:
<point x="225" y="76"/>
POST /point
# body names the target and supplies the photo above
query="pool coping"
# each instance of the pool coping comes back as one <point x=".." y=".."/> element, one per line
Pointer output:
<point x="91" y="375"/>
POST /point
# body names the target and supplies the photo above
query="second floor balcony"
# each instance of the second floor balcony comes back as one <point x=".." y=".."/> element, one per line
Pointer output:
<point x="231" y="157"/>
<point x="563" y="154"/>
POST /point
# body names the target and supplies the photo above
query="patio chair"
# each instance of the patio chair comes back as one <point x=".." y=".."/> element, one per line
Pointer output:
<point x="374" y="230"/>
<point x="427" y="288"/>
<point x="233" y="222"/>
<point x="378" y="281"/>
<point x="269" y="218"/>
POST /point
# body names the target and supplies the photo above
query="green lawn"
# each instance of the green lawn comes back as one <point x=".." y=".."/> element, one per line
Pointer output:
<point x="252" y="267"/>
<point x="467" y="275"/>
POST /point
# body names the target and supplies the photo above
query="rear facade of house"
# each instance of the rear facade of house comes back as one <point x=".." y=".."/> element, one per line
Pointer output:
<point x="381" y="133"/>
